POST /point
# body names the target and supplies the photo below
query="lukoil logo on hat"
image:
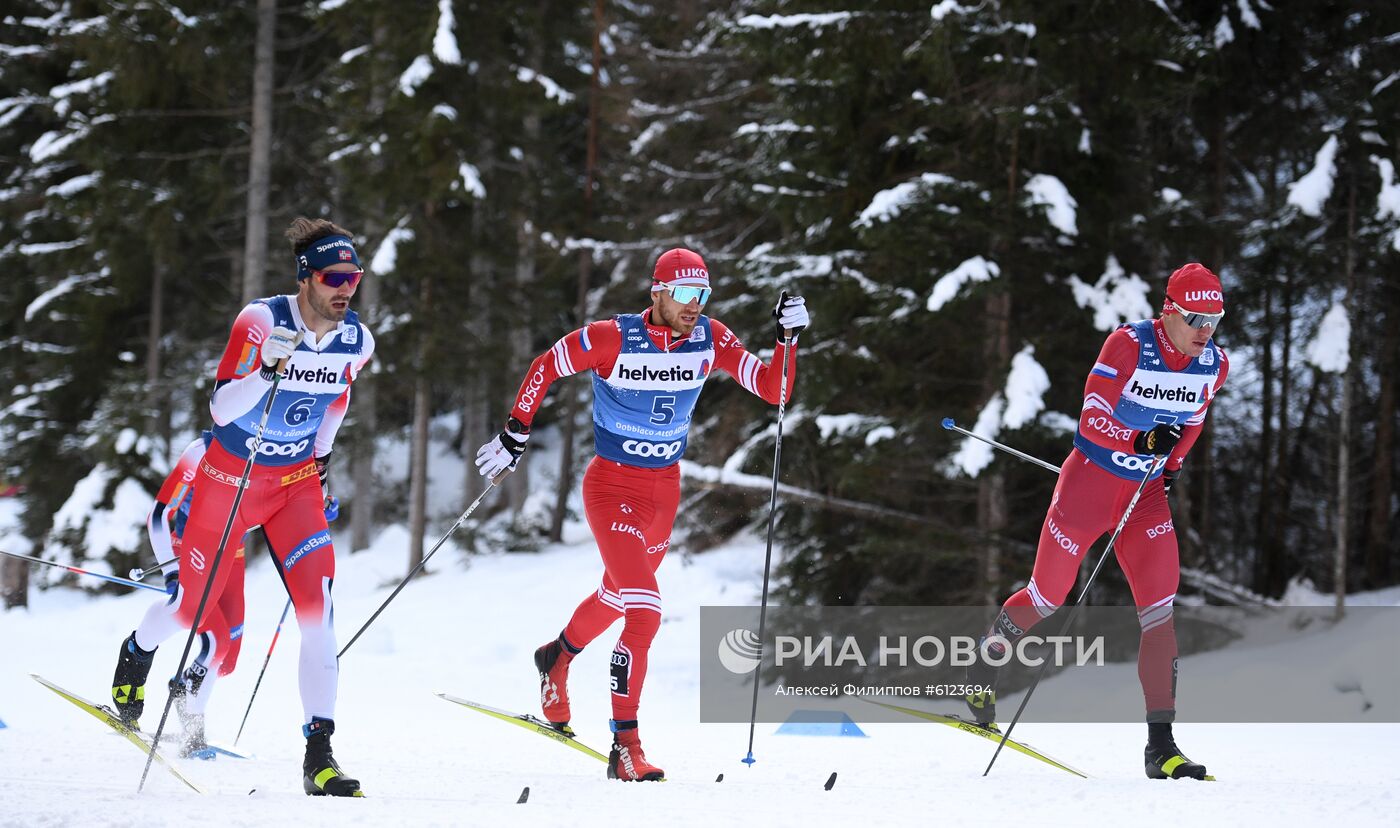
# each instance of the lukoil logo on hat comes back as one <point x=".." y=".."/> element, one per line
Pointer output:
<point x="679" y="266"/>
<point x="1196" y="289"/>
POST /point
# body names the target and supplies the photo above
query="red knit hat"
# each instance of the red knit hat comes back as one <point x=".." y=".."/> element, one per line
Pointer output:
<point x="1194" y="288"/>
<point x="679" y="266"/>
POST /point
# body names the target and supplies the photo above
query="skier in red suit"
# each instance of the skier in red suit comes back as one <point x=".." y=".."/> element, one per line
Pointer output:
<point x="647" y="370"/>
<point x="165" y="525"/>
<point x="317" y="345"/>
<point x="1145" y="399"/>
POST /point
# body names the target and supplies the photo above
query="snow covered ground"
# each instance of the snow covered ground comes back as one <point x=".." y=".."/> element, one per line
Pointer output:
<point x="470" y="632"/>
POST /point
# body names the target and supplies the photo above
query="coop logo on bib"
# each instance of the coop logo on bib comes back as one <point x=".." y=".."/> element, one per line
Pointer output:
<point x="278" y="450"/>
<point x="661" y="450"/>
<point x="1132" y="462"/>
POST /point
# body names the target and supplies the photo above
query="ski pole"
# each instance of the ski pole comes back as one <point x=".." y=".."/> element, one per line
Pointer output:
<point x="219" y="553"/>
<point x="952" y="426"/>
<point x="263" y="671"/>
<point x="114" y="579"/>
<point x="422" y="563"/>
<point x="1069" y="619"/>
<point x="768" y="552"/>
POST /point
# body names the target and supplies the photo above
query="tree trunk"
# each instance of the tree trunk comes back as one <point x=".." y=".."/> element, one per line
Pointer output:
<point x="477" y="424"/>
<point x="366" y="394"/>
<point x="418" y="452"/>
<point x="1279" y="486"/>
<point x="1201" y="480"/>
<point x="362" y="461"/>
<point x="1379" y="539"/>
<point x="157" y="403"/>
<point x="992" y="512"/>
<point x="260" y="158"/>
<point x="1343" y="520"/>
<point x="517" y="484"/>
<point x="1266" y="563"/>
<point x="14" y="583"/>
<point x="569" y="418"/>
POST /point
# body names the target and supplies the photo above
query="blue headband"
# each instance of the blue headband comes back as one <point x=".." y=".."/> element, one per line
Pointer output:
<point x="332" y="250"/>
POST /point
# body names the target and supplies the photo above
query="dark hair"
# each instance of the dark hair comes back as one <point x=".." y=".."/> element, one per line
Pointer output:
<point x="305" y="231"/>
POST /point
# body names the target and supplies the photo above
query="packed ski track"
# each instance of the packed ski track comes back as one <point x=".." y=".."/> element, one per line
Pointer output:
<point x="469" y="630"/>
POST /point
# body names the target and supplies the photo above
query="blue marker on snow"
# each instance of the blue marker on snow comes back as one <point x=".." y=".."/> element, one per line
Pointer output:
<point x="948" y="423"/>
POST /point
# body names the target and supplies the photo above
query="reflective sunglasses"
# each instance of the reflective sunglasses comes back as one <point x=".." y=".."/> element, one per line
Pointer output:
<point x="685" y="294"/>
<point x="338" y="278"/>
<point x="1198" y="320"/>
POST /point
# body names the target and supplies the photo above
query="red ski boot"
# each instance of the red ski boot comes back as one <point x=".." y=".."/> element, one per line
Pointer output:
<point x="626" y="761"/>
<point x="552" y="662"/>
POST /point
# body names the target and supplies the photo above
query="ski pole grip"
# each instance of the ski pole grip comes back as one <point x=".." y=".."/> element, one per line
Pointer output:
<point x="282" y="363"/>
<point x="787" y="332"/>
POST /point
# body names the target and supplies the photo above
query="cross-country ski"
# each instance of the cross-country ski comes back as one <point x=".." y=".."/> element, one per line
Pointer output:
<point x="109" y="717"/>
<point x="989" y="732"/>
<point x="529" y="723"/>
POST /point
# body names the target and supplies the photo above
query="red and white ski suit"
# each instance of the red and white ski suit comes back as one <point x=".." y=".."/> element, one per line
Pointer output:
<point x="1089" y="500"/>
<point x="630" y="506"/>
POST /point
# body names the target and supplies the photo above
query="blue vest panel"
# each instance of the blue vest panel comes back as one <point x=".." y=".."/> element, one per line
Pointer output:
<point x="314" y="380"/>
<point x="1153" y="394"/>
<point x="641" y="414"/>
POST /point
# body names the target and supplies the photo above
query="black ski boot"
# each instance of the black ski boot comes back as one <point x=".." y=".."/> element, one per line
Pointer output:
<point x="184" y="690"/>
<point x="321" y="776"/>
<point x="1164" y="760"/>
<point x="129" y="681"/>
<point x="982" y="704"/>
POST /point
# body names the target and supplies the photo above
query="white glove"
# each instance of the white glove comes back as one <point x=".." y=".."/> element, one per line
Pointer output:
<point x="500" y="454"/>
<point x="279" y="345"/>
<point x="791" y="315"/>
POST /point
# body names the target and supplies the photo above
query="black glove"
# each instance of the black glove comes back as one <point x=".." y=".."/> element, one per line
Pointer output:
<point x="323" y="473"/>
<point x="1160" y="440"/>
<point x="791" y="316"/>
<point x="1168" y="478"/>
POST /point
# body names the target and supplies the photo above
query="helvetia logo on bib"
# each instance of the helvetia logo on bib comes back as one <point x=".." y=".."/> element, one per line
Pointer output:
<point x="740" y="651"/>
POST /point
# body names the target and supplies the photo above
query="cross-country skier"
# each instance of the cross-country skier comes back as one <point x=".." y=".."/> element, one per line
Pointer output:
<point x="1145" y="398"/>
<point x="166" y="525"/>
<point x="324" y="346"/>
<point x="648" y="369"/>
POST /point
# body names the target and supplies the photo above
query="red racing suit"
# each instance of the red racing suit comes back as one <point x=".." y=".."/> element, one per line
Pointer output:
<point x="283" y="493"/>
<point x="166" y="527"/>
<point x="645" y="385"/>
<point x="1139" y="378"/>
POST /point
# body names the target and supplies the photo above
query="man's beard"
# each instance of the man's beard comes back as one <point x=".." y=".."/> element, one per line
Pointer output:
<point x="676" y="324"/>
<point x="324" y="308"/>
